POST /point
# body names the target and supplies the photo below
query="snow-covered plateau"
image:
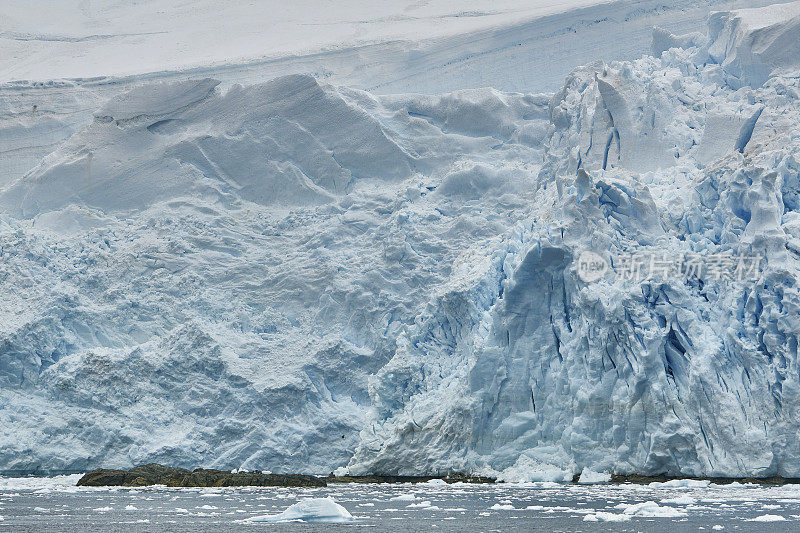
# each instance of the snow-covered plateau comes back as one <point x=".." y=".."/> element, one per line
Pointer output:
<point x="303" y="276"/>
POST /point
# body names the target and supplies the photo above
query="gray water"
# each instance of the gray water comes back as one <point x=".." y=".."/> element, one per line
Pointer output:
<point x="47" y="505"/>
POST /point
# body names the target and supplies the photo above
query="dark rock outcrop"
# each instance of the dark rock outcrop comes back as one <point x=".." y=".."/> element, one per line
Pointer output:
<point x="643" y="480"/>
<point x="449" y="478"/>
<point x="154" y="474"/>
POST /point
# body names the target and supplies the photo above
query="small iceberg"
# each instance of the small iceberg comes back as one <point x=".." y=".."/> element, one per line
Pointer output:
<point x="404" y="498"/>
<point x="651" y="509"/>
<point x="768" y="518"/>
<point x="323" y="510"/>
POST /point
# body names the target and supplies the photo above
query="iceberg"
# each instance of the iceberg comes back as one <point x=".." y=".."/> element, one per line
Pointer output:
<point x="768" y="518"/>
<point x="321" y="510"/>
<point x="651" y="509"/>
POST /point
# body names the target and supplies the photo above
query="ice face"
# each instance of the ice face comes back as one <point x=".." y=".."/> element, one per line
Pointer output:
<point x="214" y="279"/>
<point x="523" y="368"/>
<point x="296" y="276"/>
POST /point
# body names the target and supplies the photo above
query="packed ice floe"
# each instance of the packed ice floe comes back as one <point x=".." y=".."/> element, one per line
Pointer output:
<point x="38" y="483"/>
<point x="303" y="277"/>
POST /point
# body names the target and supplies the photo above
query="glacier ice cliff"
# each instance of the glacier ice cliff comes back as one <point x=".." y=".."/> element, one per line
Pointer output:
<point x="524" y="370"/>
<point x="301" y="277"/>
<point x="209" y="277"/>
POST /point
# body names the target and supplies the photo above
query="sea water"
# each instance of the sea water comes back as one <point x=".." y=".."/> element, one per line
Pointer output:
<point x="56" y="504"/>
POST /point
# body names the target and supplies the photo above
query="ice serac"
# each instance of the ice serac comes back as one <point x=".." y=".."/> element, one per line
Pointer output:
<point x="520" y="369"/>
<point x="751" y="44"/>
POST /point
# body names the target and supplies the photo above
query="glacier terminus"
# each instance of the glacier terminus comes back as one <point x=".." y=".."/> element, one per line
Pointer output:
<point x="303" y="272"/>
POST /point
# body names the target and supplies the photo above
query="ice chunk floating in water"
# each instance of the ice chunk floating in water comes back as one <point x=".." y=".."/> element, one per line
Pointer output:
<point x="313" y="510"/>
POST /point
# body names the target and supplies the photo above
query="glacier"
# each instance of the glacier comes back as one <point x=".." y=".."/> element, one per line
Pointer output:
<point x="301" y="276"/>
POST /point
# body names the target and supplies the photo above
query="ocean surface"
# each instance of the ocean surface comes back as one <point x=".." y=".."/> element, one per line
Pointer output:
<point x="55" y="504"/>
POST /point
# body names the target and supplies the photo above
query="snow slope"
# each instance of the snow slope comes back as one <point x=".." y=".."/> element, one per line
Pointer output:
<point x="85" y="39"/>
<point x="106" y="48"/>
<point x="298" y="276"/>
